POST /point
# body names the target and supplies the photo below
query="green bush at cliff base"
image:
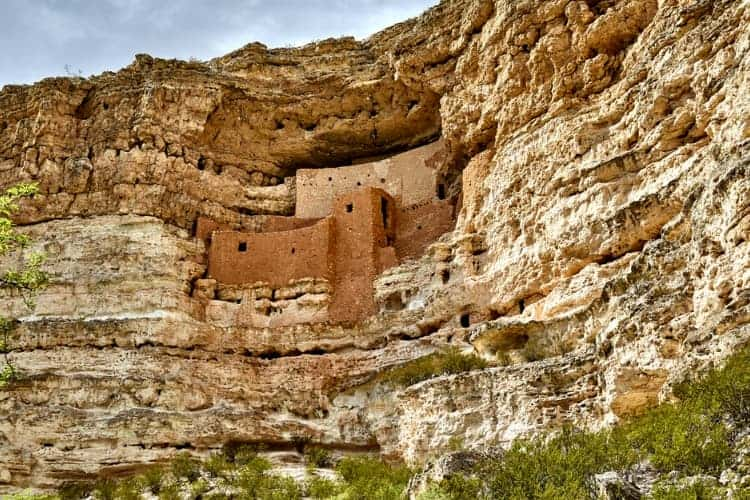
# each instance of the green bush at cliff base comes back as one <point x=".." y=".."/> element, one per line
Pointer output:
<point x="318" y="457"/>
<point x="448" y="362"/>
<point x="28" y="495"/>
<point x="322" y="488"/>
<point x="690" y="437"/>
<point x="695" y="491"/>
<point x="371" y="479"/>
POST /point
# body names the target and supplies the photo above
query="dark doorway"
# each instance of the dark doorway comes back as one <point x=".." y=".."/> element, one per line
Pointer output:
<point x="384" y="211"/>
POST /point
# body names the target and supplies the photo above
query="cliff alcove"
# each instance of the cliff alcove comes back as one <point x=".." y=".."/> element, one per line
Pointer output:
<point x="560" y="187"/>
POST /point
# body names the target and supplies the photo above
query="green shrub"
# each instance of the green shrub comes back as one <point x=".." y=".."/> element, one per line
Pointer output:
<point x="129" y="489"/>
<point x="455" y="487"/>
<point x="689" y="437"/>
<point x="170" y="491"/>
<point x="199" y="488"/>
<point x="105" y="489"/>
<point x="558" y="468"/>
<point x="254" y="482"/>
<point x="680" y="438"/>
<point x="458" y="487"/>
<point x="185" y="467"/>
<point x="241" y="453"/>
<point x="321" y="488"/>
<point x="152" y="479"/>
<point x="434" y="492"/>
<point x="371" y="479"/>
<point x="75" y="491"/>
<point x="724" y="392"/>
<point x="28" y="495"/>
<point x="696" y="491"/>
<point x="318" y="457"/>
<point x="217" y="464"/>
<point x="448" y="362"/>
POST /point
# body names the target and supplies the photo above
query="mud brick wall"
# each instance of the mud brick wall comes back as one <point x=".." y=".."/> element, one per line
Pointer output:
<point x="204" y="228"/>
<point x="360" y="233"/>
<point x="274" y="258"/>
<point x="410" y="178"/>
<point x="276" y="223"/>
<point x="420" y="225"/>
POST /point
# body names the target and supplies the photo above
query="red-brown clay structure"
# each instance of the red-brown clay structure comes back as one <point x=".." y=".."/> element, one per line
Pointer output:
<point x="351" y="224"/>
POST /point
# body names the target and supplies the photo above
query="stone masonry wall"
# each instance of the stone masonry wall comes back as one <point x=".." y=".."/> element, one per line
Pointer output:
<point x="409" y="177"/>
<point x="359" y="234"/>
<point x="420" y="225"/>
<point x="275" y="258"/>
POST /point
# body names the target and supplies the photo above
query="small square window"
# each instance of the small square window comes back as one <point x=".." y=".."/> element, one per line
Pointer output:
<point x="242" y="246"/>
<point x="350" y="207"/>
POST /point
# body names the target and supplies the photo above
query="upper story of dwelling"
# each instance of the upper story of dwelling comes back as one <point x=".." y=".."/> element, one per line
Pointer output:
<point x="410" y="178"/>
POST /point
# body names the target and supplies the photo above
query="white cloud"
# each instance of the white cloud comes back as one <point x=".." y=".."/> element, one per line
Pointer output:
<point x="98" y="35"/>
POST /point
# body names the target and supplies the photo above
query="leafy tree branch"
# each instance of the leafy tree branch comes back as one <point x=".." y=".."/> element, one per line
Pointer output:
<point x="25" y="280"/>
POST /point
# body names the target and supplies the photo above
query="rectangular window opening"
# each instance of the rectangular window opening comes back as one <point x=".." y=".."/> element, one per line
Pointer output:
<point x="242" y="246"/>
<point x="441" y="191"/>
<point x="350" y="207"/>
<point x="384" y="211"/>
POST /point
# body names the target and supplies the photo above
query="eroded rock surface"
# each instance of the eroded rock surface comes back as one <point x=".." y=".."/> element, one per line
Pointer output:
<point x="600" y="152"/>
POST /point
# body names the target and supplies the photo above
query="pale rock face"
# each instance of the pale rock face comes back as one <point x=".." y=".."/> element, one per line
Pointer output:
<point x="602" y="153"/>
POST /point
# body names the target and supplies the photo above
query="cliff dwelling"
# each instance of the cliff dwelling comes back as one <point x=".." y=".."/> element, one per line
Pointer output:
<point x="350" y="224"/>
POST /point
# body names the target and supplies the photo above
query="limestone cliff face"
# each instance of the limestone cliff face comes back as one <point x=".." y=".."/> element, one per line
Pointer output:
<point x="601" y="151"/>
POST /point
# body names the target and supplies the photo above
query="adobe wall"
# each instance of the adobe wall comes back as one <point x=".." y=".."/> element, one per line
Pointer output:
<point x="360" y="233"/>
<point x="278" y="223"/>
<point x="410" y="178"/>
<point x="419" y="226"/>
<point x="204" y="227"/>
<point x="274" y="258"/>
<point x="260" y="224"/>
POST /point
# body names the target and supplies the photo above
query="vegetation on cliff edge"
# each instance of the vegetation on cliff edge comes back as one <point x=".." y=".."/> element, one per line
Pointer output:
<point x="25" y="280"/>
<point x="450" y="361"/>
<point x="686" y="445"/>
<point x="697" y="436"/>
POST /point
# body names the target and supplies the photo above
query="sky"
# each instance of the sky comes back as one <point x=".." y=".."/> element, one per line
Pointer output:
<point x="41" y="38"/>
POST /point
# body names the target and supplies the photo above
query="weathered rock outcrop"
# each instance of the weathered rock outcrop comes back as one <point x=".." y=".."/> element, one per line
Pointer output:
<point x="601" y="152"/>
